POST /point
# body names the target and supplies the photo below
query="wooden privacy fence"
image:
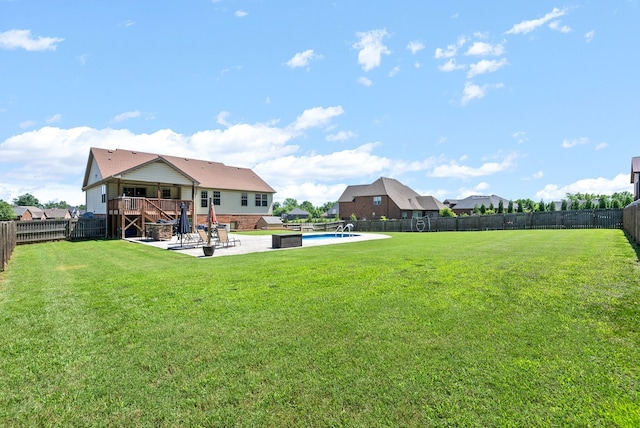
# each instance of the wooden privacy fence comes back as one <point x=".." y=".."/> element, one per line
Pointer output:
<point x="573" y="219"/>
<point x="632" y="221"/>
<point x="7" y="242"/>
<point x="28" y="232"/>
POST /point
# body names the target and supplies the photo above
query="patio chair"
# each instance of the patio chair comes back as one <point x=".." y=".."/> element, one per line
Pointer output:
<point x="224" y="240"/>
<point x="203" y="237"/>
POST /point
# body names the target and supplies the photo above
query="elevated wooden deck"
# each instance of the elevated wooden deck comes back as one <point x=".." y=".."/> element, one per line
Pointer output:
<point x="127" y="216"/>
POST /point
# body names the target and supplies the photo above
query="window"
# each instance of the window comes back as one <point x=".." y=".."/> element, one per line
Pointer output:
<point x="135" y="191"/>
<point x="244" y="200"/>
<point x="204" y="196"/>
<point x="377" y="200"/>
<point x="216" y="198"/>
<point x="261" y="200"/>
<point x="104" y="193"/>
<point x="166" y="193"/>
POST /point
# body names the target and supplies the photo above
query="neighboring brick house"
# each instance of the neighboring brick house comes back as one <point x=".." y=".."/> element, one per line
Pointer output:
<point x="131" y="188"/>
<point x="466" y="205"/>
<point x="386" y="197"/>
<point x="635" y="177"/>
<point x="28" y="213"/>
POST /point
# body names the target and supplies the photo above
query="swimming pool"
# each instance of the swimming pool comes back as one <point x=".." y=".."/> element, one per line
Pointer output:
<point x="331" y="235"/>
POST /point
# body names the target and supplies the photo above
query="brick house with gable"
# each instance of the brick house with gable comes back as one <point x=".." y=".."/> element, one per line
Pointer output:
<point x="386" y="197"/>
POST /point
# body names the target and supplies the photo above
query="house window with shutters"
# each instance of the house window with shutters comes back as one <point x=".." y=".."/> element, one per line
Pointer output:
<point x="216" y="198"/>
<point x="204" y="196"/>
<point x="244" y="200"/>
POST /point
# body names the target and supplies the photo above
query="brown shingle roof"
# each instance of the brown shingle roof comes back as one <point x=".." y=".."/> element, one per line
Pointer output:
<point x="404" y="197"/>
<point x="214" y="175"/>
<point x="635" y="167"/>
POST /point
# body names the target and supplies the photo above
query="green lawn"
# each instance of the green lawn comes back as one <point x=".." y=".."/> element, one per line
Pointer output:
<point x="469" y="329"/>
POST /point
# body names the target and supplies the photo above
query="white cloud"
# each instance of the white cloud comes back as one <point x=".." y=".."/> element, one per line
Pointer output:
<point x="598" y="186"/>
<point x="364" y="81"/>
<point x="555" y="25"/>
<point x="485" y="49"/>
<point x="486" y="66"/>
<point x="316" y="117"/>
<point x="453" y="169"/>
<point x="14" y="39"/>
<point x="567" y="144"/>
<point x="302" y="59"/>
<point x="520" y="136"/>
<point x="478" y="189"/>
<point x="341" y="136"/>
<point x="126" y="116"/>
<point x="451" y="66"/>
<point x="473" y="91"/>
<point x="62" y="153"/>
<point x="528" y="26"/>
<point x="538" y="175"/>
<point x="589" y="36"/>
<point x="395" y="70"/>
<point x="27" y="124"/>
<point x="602" y="146"/>
<point x="53" y="119"/>
<point x="241" y="13"/>
<point x="451" y="50"/>
<point x="415" y="46"/>
<point x="371" y="48"/>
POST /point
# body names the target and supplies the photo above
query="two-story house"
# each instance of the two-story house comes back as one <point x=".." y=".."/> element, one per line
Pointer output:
<point x="386" y="197"/>
<point x="130" y="188"/>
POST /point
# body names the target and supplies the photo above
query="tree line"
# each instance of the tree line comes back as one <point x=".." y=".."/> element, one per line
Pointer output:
<point x="28" y="200"/>
<point x="573" y="201"/>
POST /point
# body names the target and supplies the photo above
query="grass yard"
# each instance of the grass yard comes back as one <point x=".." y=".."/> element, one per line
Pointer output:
<point x="469" y="329"/>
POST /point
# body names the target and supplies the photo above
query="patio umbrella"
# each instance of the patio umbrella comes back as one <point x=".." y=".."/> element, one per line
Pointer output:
<point x="211" y="219"/>
<point x="183" y="223"/>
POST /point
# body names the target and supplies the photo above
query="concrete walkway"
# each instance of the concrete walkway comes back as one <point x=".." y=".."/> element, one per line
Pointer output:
<point x="254" y="244"/>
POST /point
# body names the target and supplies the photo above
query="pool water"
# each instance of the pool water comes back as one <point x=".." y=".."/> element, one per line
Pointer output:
<point x="331" y="235"/>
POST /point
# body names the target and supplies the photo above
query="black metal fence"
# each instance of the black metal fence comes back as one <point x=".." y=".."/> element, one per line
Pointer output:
<point x="573" y="219"/>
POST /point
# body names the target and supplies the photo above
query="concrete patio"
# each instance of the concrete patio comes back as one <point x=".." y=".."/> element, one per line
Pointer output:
<point x="253" y="244"/>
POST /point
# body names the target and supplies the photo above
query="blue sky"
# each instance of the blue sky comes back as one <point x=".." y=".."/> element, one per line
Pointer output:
<point x="526" y="99"/>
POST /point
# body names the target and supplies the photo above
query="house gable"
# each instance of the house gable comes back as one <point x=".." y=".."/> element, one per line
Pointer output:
<point x="157" y="171"/>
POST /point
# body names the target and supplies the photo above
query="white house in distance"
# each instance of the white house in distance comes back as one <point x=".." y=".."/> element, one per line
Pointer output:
<point x="130" y="188"/>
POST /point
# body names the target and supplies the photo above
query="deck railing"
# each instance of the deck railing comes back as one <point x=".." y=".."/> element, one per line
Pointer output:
<point x="157" y="209"/>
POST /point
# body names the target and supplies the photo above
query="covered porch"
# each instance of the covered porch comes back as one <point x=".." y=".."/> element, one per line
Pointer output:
<point x="127" y="216"/>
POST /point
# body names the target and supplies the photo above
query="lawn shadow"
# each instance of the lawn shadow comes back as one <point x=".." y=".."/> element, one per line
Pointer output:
<point x="633" y="244"/>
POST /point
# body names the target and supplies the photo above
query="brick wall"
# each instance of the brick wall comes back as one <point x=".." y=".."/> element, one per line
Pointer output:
<point x="363" y="208"/>
<point x="241" y="222"/>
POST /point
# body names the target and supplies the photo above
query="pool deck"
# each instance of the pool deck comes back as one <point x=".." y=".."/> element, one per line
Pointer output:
<point x="253" y="244"/>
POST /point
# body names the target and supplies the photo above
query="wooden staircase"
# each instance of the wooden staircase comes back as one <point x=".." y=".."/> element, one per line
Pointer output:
<point x="127" y="215"/>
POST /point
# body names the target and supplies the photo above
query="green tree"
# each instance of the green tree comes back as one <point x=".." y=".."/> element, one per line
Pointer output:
<point x="542" y="206"/>
<point x="483" y="209"/>
<point x="500" y="207"/>
<point x="551" y="206"/>
<point x="510" y="207"/>
<point x="603" y="202"/>
<point x="308" y="207"/>
<point x="26" y="200"/>
<point x="564" y="206"/>
<point x="6" y="211"/>
<point x="289" y="204"/>
<point x="447" y="212"/>
<point x="52" y="204"/>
